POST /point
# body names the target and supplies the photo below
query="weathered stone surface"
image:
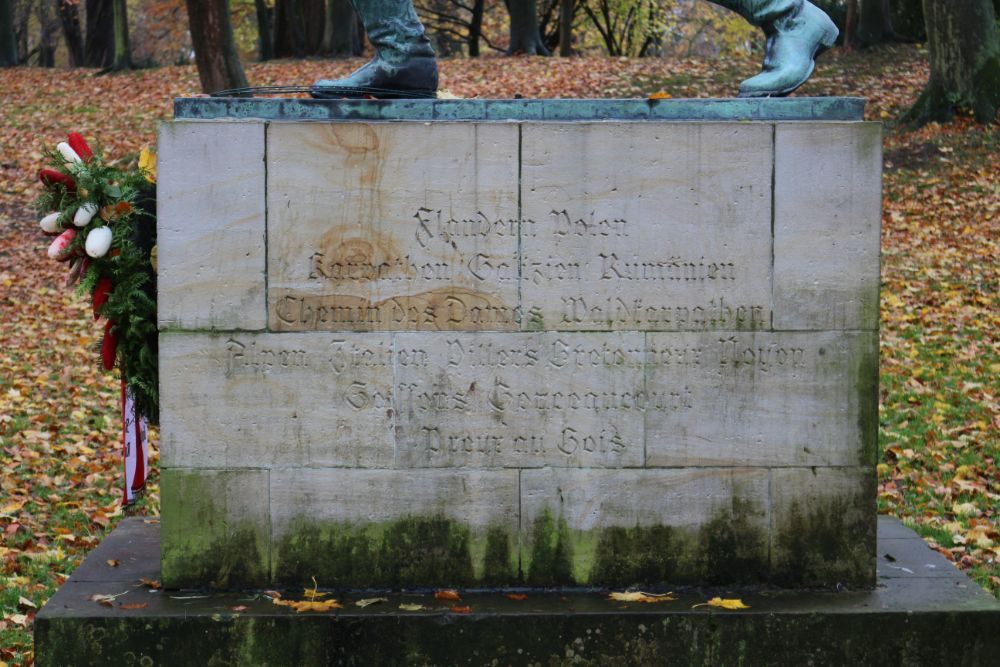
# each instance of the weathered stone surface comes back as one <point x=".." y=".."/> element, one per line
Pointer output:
<point x="520" y="400"/>
<point x="216" y="527"/>
<point x="210" y="225"/>
<point x="263" y="400"/>
<point x="823" y="526"/>
<point x="595" y="353"/>
<point x="913" y="620"/>
<point x="762" y="399"/>
<point x="624" y="527"/>
<point x="827" y="214"/>
<point x="383" y="227"/>
<point x="399" y="528"/>
<point x="662" y="227"/>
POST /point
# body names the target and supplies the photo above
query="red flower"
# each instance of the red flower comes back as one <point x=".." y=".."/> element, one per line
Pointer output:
<point x="101" y="293"/>
<point x="51" y="178"/>
<point x="109" y="346"/>
<point x="79" y="144"/>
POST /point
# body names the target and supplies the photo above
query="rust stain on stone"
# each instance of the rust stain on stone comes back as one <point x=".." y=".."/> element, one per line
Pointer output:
<point x="352" y="245"/>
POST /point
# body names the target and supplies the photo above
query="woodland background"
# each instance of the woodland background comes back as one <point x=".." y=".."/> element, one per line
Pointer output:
<point x="924" y="67"/>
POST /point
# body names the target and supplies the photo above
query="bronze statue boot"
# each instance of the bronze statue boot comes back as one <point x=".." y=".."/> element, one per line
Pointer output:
<point x="797" y="32"/>
<point x="404" y="65"/>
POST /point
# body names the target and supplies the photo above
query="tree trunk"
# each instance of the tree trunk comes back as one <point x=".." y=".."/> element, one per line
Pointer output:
<point x="850" y="36"/>
<point x="524" y="34"/>
<point x="874" y="22"/>
<point x="475" y="27"/>
<point x="566" y="8"/>
<point x="965" y="62"/>
<point x="314" y="20"/>
<point x="8" y="41"/>
<point x="99" y="45"/>
<point x="123" y="54"/>
<point x="265" y="31"/>
<point x="289" y="34"/>
<point x="219" y="64"/>
<point x="341" y="39"/>
<point x="46" y="34"/>
<point x="69" y="16"/>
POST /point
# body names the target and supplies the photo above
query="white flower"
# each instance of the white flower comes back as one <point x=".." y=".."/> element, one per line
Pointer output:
<point x="50" y="223"/>
<point x="98" y="242"/>
<point x="68" y="153"/>
<point x="85" y="214"/>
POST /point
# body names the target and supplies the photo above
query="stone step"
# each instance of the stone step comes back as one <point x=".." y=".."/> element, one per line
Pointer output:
<point x="923" y="612"/>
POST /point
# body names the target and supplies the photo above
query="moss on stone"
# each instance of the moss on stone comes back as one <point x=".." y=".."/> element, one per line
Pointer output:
<point x="827" y="544"/>
<point x="498" y="564"/>
<point x="551" y="561"/>
<point x="864" y="380"/>
<point x="733" y="549"/>
<point x="419" y="551"/>
<point x="405" y="553"/>
<point x="210" y="538"/>
<point x="638" y="555"/>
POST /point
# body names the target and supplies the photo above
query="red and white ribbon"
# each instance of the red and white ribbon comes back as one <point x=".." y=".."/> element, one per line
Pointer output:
<point x="136" y="444"/>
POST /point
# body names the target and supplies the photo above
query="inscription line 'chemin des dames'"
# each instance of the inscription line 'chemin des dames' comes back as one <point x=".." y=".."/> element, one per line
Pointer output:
<point x="446" y="283"/>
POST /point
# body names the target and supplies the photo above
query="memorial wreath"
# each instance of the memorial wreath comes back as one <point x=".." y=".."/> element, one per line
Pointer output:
<point x="102" y="214"/>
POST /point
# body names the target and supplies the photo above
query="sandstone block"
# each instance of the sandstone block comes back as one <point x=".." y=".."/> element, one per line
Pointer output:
<point x="215" y="528"/>
<point x="376" y="226"/>
<point x="626" y="527"/>
<point x="658" y="227"/>
<point x="520" y="400"/>
<point x="266" y="400"/>
<point x="210" y="225"/>
<point x="400" y="528"/>
<point x="827" y="216"/>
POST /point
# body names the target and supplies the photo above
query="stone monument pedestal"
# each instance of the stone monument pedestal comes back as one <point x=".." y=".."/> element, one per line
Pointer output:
<point x="519" y="343"/>
<point x="544" y="345"/>
<point x="923" y="612"/>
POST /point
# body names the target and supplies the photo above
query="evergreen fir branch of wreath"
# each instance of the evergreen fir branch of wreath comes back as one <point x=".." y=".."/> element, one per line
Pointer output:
<point x="121" y="197"/>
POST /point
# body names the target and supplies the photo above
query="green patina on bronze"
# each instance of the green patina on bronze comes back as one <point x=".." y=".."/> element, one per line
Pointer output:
<point x="696" y="110"/>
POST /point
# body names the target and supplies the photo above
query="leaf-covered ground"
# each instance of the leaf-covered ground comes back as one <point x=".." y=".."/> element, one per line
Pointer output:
<point x="60" y="462"/>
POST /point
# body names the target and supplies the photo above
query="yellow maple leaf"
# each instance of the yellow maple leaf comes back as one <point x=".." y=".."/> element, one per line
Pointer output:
<point x="308" y="605"/>
<point x="147" y="163"/>
<point x="723" y="603"/>
<point x="639" y="596"/>
<point x="660" y="95"/>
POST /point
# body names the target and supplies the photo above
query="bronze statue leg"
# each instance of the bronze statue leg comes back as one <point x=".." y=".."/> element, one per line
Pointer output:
<point x="404" y="64"/>
<point x="797" y="31"/>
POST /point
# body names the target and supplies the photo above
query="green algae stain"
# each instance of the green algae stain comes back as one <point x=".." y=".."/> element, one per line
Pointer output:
<point x="209" y="537"/>
<point x="733" y="547"/>
<point x="730" y="548"/>
<point x="429" y="551"/>
<point x="405" y="553"/>
<point x="827" y="544"/>
<point x="551" y="561"/>
<point x="865" y="381"/>
<point x="498" y="564"/>
<point x="638" y="555"/>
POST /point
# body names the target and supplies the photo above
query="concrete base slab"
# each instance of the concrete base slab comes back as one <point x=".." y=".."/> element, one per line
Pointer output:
<point x="923" y="612"/>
